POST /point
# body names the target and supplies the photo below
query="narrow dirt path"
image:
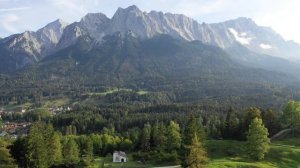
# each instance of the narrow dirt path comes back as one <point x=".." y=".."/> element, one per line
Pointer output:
<point x="279" y="134"/>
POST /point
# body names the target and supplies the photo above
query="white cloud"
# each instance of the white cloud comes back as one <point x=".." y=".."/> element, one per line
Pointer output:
<point x="240" y="37"/>
<point x="14" y="9"/>
<point x="283" y="19"/>
<point x="74" y="6"/>
<point x="8" y="21"/>
<point x="195" y="8"/>
<point x="265" y="46"/>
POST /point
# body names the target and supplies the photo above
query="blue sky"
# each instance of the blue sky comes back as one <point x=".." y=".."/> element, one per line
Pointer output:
<point x="282" y="15"/>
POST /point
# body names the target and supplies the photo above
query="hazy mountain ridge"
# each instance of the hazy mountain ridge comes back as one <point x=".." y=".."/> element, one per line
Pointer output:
<point x="29" y="47"/>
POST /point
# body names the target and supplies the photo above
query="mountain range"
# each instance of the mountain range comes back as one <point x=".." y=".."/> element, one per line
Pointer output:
<point x="154" y="51"/>
<point x="29" y="47"/>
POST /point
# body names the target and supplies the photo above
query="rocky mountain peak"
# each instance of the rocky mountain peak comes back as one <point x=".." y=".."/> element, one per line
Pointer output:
<point x="123" y="15"/>
<point x="244" y="20"/>
<point x="94" y="17"/>
<point x="30" y="47"/>
<point x="52" y="32"/>
<point x="134" y="22"/>
<point x="57" y="23"/>
<point x="131" y="9"/>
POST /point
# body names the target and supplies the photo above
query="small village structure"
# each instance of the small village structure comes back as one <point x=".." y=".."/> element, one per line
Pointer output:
<point x="119" y="156"/>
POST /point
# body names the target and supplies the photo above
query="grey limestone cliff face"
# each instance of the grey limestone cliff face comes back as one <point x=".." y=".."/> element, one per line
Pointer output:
<point x="34" y="46"/>
<point x="242" y="31"/>
<point x="29" y="47"/>
<point x="256" y="38"/>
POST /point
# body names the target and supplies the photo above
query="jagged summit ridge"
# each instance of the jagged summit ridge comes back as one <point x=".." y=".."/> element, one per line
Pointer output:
<point x="147" y="25"/>
<point x="29" y="47"/>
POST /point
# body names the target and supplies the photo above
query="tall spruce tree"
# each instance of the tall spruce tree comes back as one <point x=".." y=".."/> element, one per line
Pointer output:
<point x="193" y="127"/>
<point x="145" y="137"/>
<point x="71" y="153"/>
<point x="258" y="143"/>
<point x="173" y="137"/>
<point x="37" y="146"/>
<point x="231" y="124"/>
<point x="291" y="114"/>
<point x="196" y="156"/>
<point x="271" y="121"/>
<point x="87" y="151"/>
<point x="158" y="135"/>
<point x="55" y="149"/>
<point x="249" y="115"/>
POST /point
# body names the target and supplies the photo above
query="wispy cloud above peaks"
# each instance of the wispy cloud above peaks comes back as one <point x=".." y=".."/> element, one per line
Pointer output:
<point x="14" y="9"/>
<point x="7" y="22"/>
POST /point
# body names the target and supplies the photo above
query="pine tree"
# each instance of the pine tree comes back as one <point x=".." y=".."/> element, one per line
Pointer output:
<point x="249" y="115"/>
<point x="231" y="124"/>
<point x="55" y="149"/>
<point x="74" y="130"/>
<point x="291" y="114"/>
<point x="159" y="135"/>
<point x="213" y="126"/>
<point x="88" y="151"/>
<point x="271" y="121"/>
<point x="145" y="137"/>
<point x="258" y="142"/>
<point x="196" y="156"/>
<point x="6" y="159"/>
<point x="37" y="153"/>
<point x="173" y="137"/>
<point x="71" y="152"/>
<point x="88" y="147"/>
<point x="193" y="127"/>
<point x="71" y="130"/>
<point x="18" y="150"/>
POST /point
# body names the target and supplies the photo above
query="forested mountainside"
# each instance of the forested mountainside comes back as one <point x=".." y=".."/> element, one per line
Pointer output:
<point x="180" y="70"/>
<point x="164" y="53"/>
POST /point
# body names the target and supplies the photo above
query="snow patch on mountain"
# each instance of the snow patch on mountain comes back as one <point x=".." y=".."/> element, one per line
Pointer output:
<point x="240" y="37"/>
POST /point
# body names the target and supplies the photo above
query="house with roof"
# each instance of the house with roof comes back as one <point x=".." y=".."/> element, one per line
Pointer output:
<point x="119" y="156"/>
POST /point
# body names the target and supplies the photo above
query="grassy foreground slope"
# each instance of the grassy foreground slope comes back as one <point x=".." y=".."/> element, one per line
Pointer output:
<point x="230" y="154"/>
<point x="225" y="154"/>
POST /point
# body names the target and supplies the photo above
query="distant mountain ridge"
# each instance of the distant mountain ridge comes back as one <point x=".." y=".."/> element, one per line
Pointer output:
<point x="30" y="47"/>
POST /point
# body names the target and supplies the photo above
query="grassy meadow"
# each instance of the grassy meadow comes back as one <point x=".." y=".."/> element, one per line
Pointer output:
<point x="229" y="154"/>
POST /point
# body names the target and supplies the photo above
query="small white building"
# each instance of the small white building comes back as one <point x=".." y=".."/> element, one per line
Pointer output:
<point x="119" y="156"/>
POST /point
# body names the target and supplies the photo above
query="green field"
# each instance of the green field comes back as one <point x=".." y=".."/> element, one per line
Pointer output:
<point x="56" y="103"/>
<point x="107" y="163"/>
<point x="97" y="163"/>
<point x="114" y="90"/>
<point x="232" y="154"/>
<point x="110" y="91"/>
<point x="13" y="106"/>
